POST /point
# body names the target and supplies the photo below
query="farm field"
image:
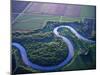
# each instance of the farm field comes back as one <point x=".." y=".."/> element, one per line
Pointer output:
<point x="38" y="21"/>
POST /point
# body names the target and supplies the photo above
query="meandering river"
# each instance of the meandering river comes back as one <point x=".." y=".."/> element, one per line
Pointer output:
<point x="66" y="40"/>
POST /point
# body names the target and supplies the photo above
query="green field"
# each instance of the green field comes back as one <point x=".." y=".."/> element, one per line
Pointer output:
<point x="36" y="21"/>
